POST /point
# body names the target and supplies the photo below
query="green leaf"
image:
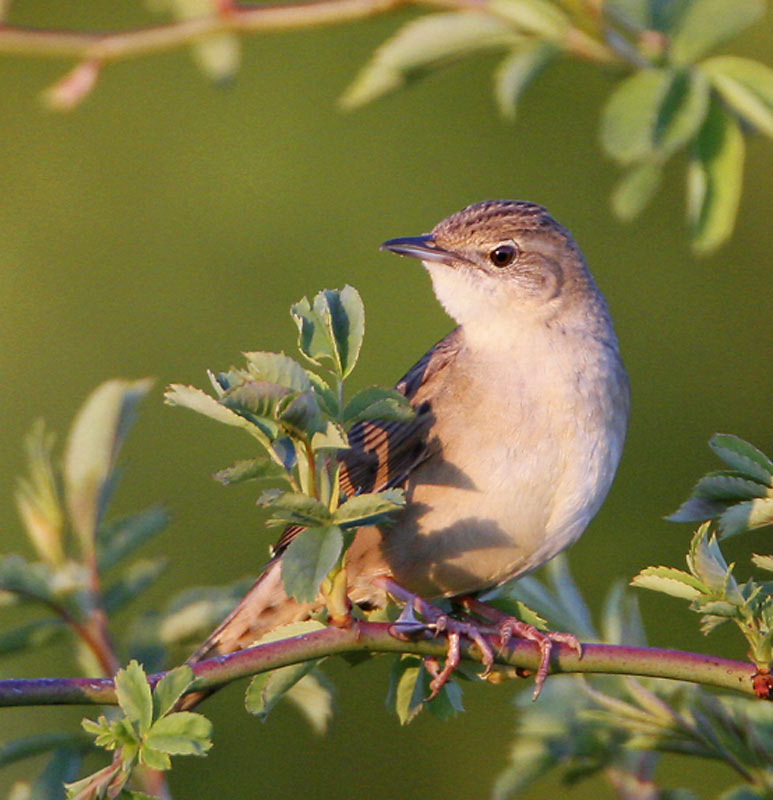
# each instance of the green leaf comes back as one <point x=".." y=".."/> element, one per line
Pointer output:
<point x="536" y="17"/>
<point x="714" y="180"/>
<point x="717" y="608"/>
<point x="531" y="594"/>
<point x="248" y="470"/>
<point x="279" y="369"/>
<point x="568" y="594"/>
<point x="332" y="329"/>
<point x="344" y="315"/>
<point x="707" y="23"/>
<point x="406" y="688"/>
<point x="32" y="634"/>
<point x="518" y="70"/>
<point x="429" y="41"/>
<point x="744" y="457"/>
<point x="326" y="397"/>
<point x="218" y="56"/>
<point x="728" y="486"/>
<point x="134" y="697"/>
<point x="295" y="508"/>
<point x="308" y="559"/>
<point x="194" y="612"/>
<point x="170" y="689"/>
<point x="519" y="610"/>
<point x="117" y="540"/>
<point x="746" y="85"/>
<point x="635" y="189"/>
<point x="301" y="415"/>
<point x="63" y="766"/>
<point x="103" y="730"/>
<point x="763" y="562"/>
<point x="621" y="620"/>
<point x="313" y="697"/>
<point x="746" y="517"/>
<point x="448" y="702"/>
<point x="30" y="581"/>
<point x="682" y="111"/>
<point x="154" y="759"/>
<point x="256" y="401"/>
<point x="268" y="688"/>
<point x="697" y="509"/>
<point x="29" y="746"/>
<point x="38" y="497"/>
<point x="196" y="400"/>
<point x="369" y="509"/>
<point x="139" y="576"/>
<point x="332" y="438"/>
<point x="313" y="339"/>
<point x="92" y="448"/>
<point x="180" y="734"/>
<point x="377" y="403"/>
<point x="630" y="115"/>
<point x="671" y="581"/>
<point x="706" y="562"/>
<point x="111" y="778"/>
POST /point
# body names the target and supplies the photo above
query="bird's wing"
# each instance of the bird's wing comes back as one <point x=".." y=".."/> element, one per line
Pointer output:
<point x="381" y="455"/>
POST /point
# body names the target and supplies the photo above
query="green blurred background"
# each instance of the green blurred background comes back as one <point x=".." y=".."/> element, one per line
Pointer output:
<point x="167" y="225"/>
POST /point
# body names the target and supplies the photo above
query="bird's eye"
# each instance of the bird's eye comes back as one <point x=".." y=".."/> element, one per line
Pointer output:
<point x="503" y="255"/>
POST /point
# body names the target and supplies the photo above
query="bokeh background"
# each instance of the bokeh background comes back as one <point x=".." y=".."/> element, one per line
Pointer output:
<point x="167" y="225"/>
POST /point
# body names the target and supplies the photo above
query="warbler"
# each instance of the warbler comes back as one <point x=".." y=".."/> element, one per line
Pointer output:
<point x="521" y="415"/>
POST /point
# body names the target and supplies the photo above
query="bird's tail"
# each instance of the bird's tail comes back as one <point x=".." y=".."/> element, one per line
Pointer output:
<point x="263" y="608"/>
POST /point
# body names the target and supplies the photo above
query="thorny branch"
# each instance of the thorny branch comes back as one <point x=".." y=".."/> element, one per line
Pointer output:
<point x="374" y="637"/>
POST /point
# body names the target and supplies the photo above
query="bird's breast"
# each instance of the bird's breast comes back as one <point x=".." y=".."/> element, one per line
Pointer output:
<point x="525" y="450"/>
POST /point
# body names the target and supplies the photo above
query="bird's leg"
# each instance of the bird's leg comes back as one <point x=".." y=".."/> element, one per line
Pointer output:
<point x="507" y="627"/>
<point x="437" y="621"/>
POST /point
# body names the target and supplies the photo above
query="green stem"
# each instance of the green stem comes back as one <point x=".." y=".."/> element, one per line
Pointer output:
<point x="721" y="673"/>
<point x="312" y="462"/>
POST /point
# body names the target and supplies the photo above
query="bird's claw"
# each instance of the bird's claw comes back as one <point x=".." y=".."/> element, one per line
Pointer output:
<point x="509" y="627"/>
<point x="436" y="622"/>
<point x="454" y="630"/>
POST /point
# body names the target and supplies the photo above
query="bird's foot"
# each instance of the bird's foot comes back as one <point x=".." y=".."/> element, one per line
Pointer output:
<point x="436" y="622"/>
<point x="544" y="639"/>
<point x="454" y="630"/>
<point x="507" y="627"/>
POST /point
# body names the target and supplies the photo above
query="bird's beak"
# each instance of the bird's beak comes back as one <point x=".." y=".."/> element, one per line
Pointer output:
<point x="422" y="247"/>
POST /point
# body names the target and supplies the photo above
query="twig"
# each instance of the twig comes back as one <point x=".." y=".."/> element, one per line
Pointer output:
<point x="103" y="47"/>
<point x="118" y="45"/>
<point x="373" y="637"/>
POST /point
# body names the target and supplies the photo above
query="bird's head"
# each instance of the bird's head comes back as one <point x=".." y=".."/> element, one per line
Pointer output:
<point x="502" y="260"/>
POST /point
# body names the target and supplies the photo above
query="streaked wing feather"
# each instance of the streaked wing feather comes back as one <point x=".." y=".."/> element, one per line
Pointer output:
<point x="382" y="455"/>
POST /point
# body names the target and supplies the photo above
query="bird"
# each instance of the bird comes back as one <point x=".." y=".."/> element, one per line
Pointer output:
<point x="520" y="417"/>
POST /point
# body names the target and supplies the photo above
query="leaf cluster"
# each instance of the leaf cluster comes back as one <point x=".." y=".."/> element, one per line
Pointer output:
<point x="148" y="732"/>
<point x="738" y="499"/>
<point x="64" y="511"/>
<point x="618" y="726"/>
<point x="299" y="418"/>
<point x="669" y="95"/>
